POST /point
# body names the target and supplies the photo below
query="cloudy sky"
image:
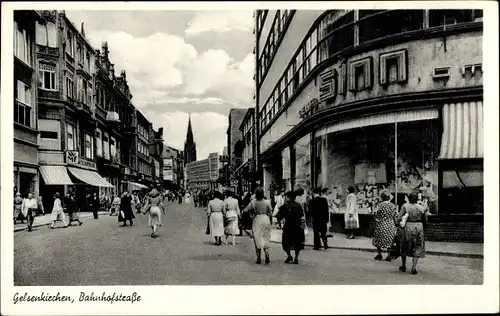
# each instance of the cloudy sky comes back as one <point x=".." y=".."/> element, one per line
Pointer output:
<point x="180" y="62"/>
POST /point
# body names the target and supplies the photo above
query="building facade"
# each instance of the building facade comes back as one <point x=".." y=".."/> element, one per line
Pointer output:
<point x="343" y="103"/>
<point x="113" y="113"/>
<point x="172" y="168"/>
<point x="189" y="145"/>
<point x="156" y="151"/>
<point x="145" y="164"/>
<point x="247" y="171"/>
<point x="234" y="143"/>
<point x="66" y="116"/>
<point x="214" y="166"/>
<point x="25" y="102"/>
<point x="198" y="175"/>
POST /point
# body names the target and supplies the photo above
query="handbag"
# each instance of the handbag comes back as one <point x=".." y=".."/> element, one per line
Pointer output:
<point x="395" y="250"/>
<point x="208" y="226"/>
<point x="351" y="223"/>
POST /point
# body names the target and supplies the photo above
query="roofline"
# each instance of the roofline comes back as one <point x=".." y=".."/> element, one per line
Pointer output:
<point x="250" y="111"/>
<point x="87" y="42"/>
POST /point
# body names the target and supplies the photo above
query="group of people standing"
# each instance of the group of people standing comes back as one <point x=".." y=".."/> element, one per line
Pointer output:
<point x="25" y="209"/>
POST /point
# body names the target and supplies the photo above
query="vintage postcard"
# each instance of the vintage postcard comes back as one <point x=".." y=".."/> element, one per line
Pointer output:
<point x="249" y="158"/>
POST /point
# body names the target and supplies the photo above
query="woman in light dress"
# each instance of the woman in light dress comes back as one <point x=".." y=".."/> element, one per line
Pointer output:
<point x="215" y="210"/>
<point x="18" y="207"/>
<point x="261" y="226"/>
<point x="154" y="205"/>
<point x="351" y="218"/>
<point x="57" y="212"/>
<point x="188" y="197"/>
<point x="231" y="214"/>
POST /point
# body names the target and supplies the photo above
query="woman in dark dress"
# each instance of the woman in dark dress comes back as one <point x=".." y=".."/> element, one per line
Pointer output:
<point x="126" y="208"/>
<point x="293" y="237"/>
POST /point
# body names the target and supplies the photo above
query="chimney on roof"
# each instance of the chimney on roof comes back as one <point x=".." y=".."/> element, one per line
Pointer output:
<point x="123" y="74"/>
<point x="83" y="30"/>
<point x="105" y="49"/>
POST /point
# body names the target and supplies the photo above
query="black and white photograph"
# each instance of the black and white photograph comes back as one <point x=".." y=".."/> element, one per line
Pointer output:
<point x="347" y="145"/>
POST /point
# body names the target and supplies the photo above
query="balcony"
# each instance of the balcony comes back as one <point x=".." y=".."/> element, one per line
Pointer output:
<point x="113" y="118"/>
<point x="83" y="109"/>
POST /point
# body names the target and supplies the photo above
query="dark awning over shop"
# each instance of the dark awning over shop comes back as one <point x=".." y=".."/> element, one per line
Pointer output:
<point x="55" y="175"/>
<point x="90" y="177"/>
<point x="462" y="131"/>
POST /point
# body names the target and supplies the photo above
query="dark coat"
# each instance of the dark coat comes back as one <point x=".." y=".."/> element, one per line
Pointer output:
<point x="318" y="208"/>
<point x="293" y="233"/>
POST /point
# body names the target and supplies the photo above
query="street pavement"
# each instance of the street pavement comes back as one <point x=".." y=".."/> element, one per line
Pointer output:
<point x="100" y="252"/>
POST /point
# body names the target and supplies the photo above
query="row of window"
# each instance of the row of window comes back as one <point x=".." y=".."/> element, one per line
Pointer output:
<point x="23" y="44"/>
<point x="142" y="131"/>
<point x="274" y="37"/>
<point x="83" y="91"/>
<point x="72" y="141"/>
<point x="143" y="148"/>
<point x="261" y="17"/>
<point x="336" y="33"/>
<point x="46" y="34"/>
<point x="144" y="168"/>
<point x="22" y="106"/>
<point x="107" y="146"/>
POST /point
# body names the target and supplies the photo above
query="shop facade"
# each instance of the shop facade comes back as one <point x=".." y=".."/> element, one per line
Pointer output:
<point x="380" y="117"/>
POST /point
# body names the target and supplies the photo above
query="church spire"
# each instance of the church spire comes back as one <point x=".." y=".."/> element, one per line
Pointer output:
<point x="189" y="145"/>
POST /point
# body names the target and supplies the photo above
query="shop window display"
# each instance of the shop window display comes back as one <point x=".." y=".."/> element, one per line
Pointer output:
<point x="365" y="158"/>
<point x="303" y="163"/>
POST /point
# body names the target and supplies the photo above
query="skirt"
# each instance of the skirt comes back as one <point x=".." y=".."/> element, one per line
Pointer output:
<point x="73" y="216"/>
<point x="293" y="238"/>
<point x="261" y="229"/>
<point x="57" y="215"/>
<point x="232" y="227"/>
<point x="216" y="224"/>
<point x="384" y="234"/>
<point x="154" y="216"/>
<point x="412" y="240"/>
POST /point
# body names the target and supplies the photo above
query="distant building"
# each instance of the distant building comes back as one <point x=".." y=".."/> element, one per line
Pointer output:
<point x="198" y="175"/>
<point x="172" y="168"/>
<point x="247" y="170"/>
<point x="234" y="137"/>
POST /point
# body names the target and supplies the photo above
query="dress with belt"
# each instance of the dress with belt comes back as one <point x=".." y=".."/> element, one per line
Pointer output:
<point x="261" y="226"/>
<point x="412" y="235"/>
<point x="232" y="212"/>
<point x="214" y="210"/>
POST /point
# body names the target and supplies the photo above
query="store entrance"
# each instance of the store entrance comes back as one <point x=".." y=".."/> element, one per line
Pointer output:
<point x="26" y="183"/>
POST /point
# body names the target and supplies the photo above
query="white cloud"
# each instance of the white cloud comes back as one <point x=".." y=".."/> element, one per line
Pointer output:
<point x="205" y="126"/>
<point x="220" y="21"/>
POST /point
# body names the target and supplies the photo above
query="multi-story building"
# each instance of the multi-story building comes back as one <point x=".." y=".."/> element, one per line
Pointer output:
<point x="25" y="102"/>
<point x="156" y="152"/>
<point x="213" y="169"/>
<point x="198" y="175"/>
<point x="375" y="99"/>
<point x="145" y="167"/>
<point x="113" y="113"/>
<point x="247" y="171"/>
<point x="234" y="141"/>
<point x="66" y="116"/>
<point x="172" y="168"/>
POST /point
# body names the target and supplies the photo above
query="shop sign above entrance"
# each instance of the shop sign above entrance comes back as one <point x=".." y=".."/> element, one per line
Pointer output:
<point x="73" y="158"/>
<point x="309" y="109"/>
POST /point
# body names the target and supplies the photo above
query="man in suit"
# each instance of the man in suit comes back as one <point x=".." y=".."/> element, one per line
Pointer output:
<point x="318" y="208"/>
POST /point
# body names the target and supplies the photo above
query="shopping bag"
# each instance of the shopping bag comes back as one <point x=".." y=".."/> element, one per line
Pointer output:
<point x="351" y="223"/>
<point x="208" y="226"/>
<point x="395" y="251"/>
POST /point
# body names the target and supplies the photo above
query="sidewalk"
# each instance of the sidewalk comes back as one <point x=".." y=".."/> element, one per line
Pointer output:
<point x="44" y="220"/>
<point x="339" y="241"/>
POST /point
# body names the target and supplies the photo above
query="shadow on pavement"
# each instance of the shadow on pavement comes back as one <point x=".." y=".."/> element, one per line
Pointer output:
<point x="221" y="257"/>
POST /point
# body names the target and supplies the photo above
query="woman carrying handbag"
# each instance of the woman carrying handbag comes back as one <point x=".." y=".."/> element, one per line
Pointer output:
<point x="351" y="217"/>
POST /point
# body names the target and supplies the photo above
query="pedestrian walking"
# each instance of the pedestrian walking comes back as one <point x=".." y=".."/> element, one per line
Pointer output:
<point x="115" y="206"/>
<point x="30" y="205"/>
<point x="126" y="213"/>
<point x="331" y="210"/>
<point x="216" y="217"/>
<point x="188" y="197"/>
<point x="385" y="216"/>
<point x="41" y="210"/>
<point x="94" y="205"/>
<point x="57" y="212"/>
<point x="351" y="217"/>
<point x="136" y="202"/>
<point x="293" y="236"/>
<point x="412" y="239"/>
<point x="154" y="207"/>
<point x="261" y="226"/>
<point x="231" y="214"/>
<point x="18" y="207"/>
<point x="70" y="204"/>
<point x="318" y="207"/>
<point x="280" y="200"/>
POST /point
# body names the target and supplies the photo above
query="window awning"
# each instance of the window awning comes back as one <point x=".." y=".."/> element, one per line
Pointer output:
<point x="462" y="131"/>
<point x="380" y="119"/>
<point x="55" y="175"/>
<point x="133" y="186"/>
<point x="90" y="177"/>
